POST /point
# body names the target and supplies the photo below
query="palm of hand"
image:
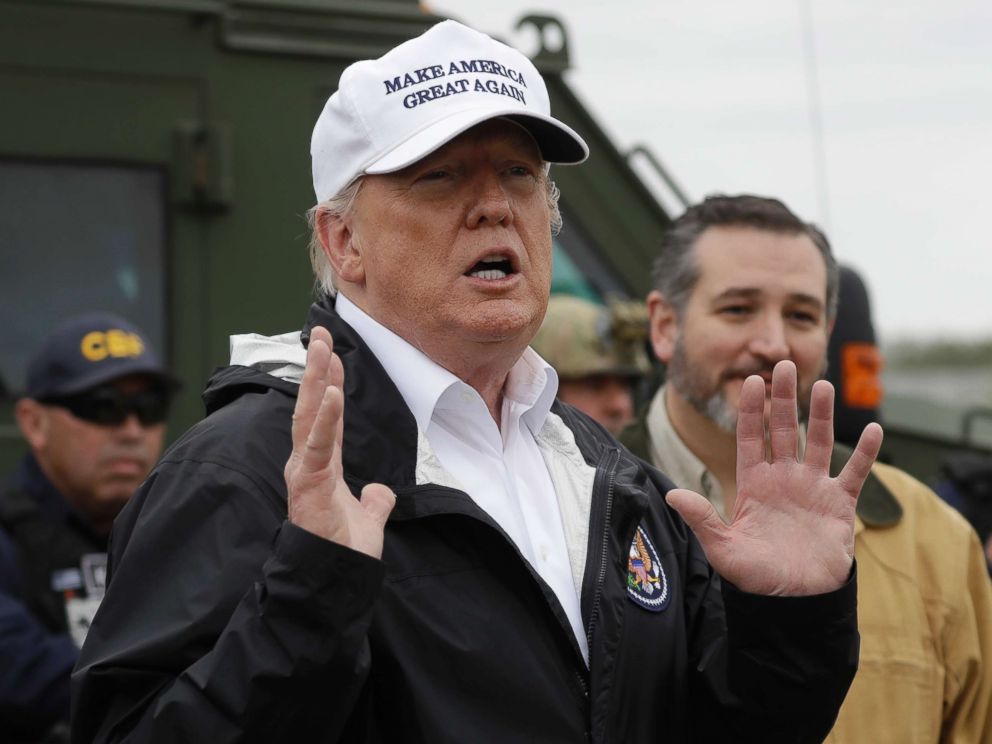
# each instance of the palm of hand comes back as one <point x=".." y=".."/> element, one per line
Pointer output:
<point x="319" y="498"/>
<point x="792" y="532"/>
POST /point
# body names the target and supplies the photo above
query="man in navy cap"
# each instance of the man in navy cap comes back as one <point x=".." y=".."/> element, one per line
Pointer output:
<point x="93" y="414"/>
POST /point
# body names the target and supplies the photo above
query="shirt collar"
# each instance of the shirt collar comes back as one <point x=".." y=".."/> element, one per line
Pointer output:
<point x="29" y="478"/>
<point x="678" y="461"/>
<point x="420" y="380"/>
<point x="532" y="383"/>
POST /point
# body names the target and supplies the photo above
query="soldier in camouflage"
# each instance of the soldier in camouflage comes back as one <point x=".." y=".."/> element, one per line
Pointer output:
<point x="598" y="353"/>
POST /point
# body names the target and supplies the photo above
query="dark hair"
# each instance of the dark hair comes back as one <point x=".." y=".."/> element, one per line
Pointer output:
<point x="675" y="269"/>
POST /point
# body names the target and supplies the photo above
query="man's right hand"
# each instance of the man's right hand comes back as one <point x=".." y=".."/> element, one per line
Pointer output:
<point x="319" y="500"/>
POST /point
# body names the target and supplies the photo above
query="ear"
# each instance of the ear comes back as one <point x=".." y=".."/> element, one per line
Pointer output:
<point x="663" y="324"/>
<point x="32" y="419"/>
<point x="337" y="238"/>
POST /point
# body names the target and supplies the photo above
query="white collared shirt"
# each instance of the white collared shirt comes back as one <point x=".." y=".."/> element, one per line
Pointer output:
<point x="502" y="469"/>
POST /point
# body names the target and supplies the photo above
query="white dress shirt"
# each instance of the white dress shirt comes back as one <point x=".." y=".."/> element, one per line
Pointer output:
<point x="501" y="468"/>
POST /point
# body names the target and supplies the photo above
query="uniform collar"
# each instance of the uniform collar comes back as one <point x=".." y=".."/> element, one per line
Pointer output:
<point x="29" y="479"/>
<point x="877" y="506"/>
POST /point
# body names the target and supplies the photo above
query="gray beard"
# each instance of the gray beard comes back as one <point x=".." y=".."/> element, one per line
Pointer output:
<point x="713" y="404"/>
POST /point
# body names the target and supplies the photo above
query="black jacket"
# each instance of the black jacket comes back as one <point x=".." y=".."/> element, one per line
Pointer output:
<point x="223" y="622"/>
<point x="42" y="548"/>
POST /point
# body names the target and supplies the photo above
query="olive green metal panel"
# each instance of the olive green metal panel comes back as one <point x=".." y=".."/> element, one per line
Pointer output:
<point x="220" y="96"/>
<point x="68" y="95"/>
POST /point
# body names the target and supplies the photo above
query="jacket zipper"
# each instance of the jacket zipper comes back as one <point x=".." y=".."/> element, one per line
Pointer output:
<point x="604" y="551"/>
<point x="614" y="456"/>
<point x="479" y="515"/>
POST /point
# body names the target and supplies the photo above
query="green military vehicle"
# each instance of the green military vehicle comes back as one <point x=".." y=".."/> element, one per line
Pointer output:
<point x="154" y="162"/>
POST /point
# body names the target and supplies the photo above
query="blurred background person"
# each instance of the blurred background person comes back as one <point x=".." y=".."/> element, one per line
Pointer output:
<point x="741" y="284"/>
<point x="93" y="415"/>
<point x="599" y="354"/>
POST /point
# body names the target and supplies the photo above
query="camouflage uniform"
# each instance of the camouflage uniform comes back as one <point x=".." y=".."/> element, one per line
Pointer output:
<point x="580" y="338"/>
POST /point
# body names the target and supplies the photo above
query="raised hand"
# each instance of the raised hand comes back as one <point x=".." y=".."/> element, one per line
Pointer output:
<point x="792" y="531"/>
<point x="319" y="499"/>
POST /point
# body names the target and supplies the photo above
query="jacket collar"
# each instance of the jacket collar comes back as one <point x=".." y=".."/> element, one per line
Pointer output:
<point x="380" y="445"/>
<point x="877" y="506"/>
<point x="29" y="492"/>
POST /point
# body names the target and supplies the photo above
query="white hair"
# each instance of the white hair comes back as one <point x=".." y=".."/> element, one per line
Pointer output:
<point x="341" y="205"/>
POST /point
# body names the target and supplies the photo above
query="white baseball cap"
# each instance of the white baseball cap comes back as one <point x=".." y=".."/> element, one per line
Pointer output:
<point x="390" y="112"/>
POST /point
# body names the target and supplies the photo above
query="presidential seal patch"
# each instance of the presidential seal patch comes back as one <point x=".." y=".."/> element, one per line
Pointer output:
<point x="647" y="584"/>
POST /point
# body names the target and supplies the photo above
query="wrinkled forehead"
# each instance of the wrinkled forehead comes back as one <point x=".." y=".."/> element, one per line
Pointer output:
<point x="745" y="258"/>
<point x="499" y="131"/>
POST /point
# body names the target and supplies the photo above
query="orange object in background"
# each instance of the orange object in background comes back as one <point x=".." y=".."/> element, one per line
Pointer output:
<point x="861" y="371"/>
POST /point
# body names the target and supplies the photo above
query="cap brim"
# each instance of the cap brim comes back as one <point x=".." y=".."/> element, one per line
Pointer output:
<point x="82" y="384"/>
<point x="558" y="143"/>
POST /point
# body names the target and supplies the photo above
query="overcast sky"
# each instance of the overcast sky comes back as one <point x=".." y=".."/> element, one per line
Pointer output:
<point x="721" y="92"/>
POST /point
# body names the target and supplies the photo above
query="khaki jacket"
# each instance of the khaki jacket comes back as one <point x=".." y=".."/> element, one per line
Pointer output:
<point x="925" y="616"/>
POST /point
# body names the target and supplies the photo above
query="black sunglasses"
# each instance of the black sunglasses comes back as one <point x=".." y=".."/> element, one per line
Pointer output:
<point x="107" y="406"/>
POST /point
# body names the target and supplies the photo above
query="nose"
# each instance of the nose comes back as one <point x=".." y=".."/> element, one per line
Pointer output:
<point x="490" y="203"/>
<point x="618" y="402"/>
<point x="131" y="428"/>
<point x="769" y="340"/>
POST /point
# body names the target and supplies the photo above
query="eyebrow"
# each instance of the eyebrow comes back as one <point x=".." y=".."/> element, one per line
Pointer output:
<point x="751" y="293"/>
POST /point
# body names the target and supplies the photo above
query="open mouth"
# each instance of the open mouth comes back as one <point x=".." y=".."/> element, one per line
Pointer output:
<point x="492" y="268"/>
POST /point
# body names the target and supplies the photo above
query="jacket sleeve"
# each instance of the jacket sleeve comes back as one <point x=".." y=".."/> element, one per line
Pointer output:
<point x="790" y="662"/>
<point x="967" y="645"/>
<point x="769" y="669"/>
<point x="222" y="622"/>
<point x="34" y="675"/>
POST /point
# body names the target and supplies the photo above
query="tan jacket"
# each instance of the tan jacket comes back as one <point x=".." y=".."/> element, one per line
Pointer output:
<point x="924" y="605"/>
<point x="925" y="616"/>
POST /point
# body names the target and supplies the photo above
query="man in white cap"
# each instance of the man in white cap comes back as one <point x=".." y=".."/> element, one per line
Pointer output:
<point x="386" y="529"/>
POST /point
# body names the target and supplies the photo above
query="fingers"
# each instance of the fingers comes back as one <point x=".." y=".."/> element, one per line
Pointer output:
<point x="312" y="387"/>
<point x="334" y="376"/>
<point x="378" y="501"/>
<point x="751" y="423"/>
<point x="317" y="419"/>
<point x="699" y="514"/>
<point x="335" y="372"/>
<point x="320" y="443"/>
<point x="820" y="430"/>
<point x="852" y="477"/>
<point x="783" y="423"/>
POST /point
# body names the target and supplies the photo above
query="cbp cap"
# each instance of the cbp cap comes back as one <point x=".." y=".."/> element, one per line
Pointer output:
<point x="88" y="350"/>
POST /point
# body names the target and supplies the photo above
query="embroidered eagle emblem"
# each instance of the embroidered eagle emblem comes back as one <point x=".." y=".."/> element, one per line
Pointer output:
<point x="647" y="584"/>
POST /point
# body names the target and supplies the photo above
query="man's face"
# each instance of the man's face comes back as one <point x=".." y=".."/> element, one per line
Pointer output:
<point x="760" y="298"/>
<point x="456" y="248"/>
<point x="606" y="398"/>
<point x="96" y="467"/>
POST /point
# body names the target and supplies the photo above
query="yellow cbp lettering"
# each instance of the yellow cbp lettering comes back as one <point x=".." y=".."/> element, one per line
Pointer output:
<point x="97" y="346"/>
<point x="93" y="346"/>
